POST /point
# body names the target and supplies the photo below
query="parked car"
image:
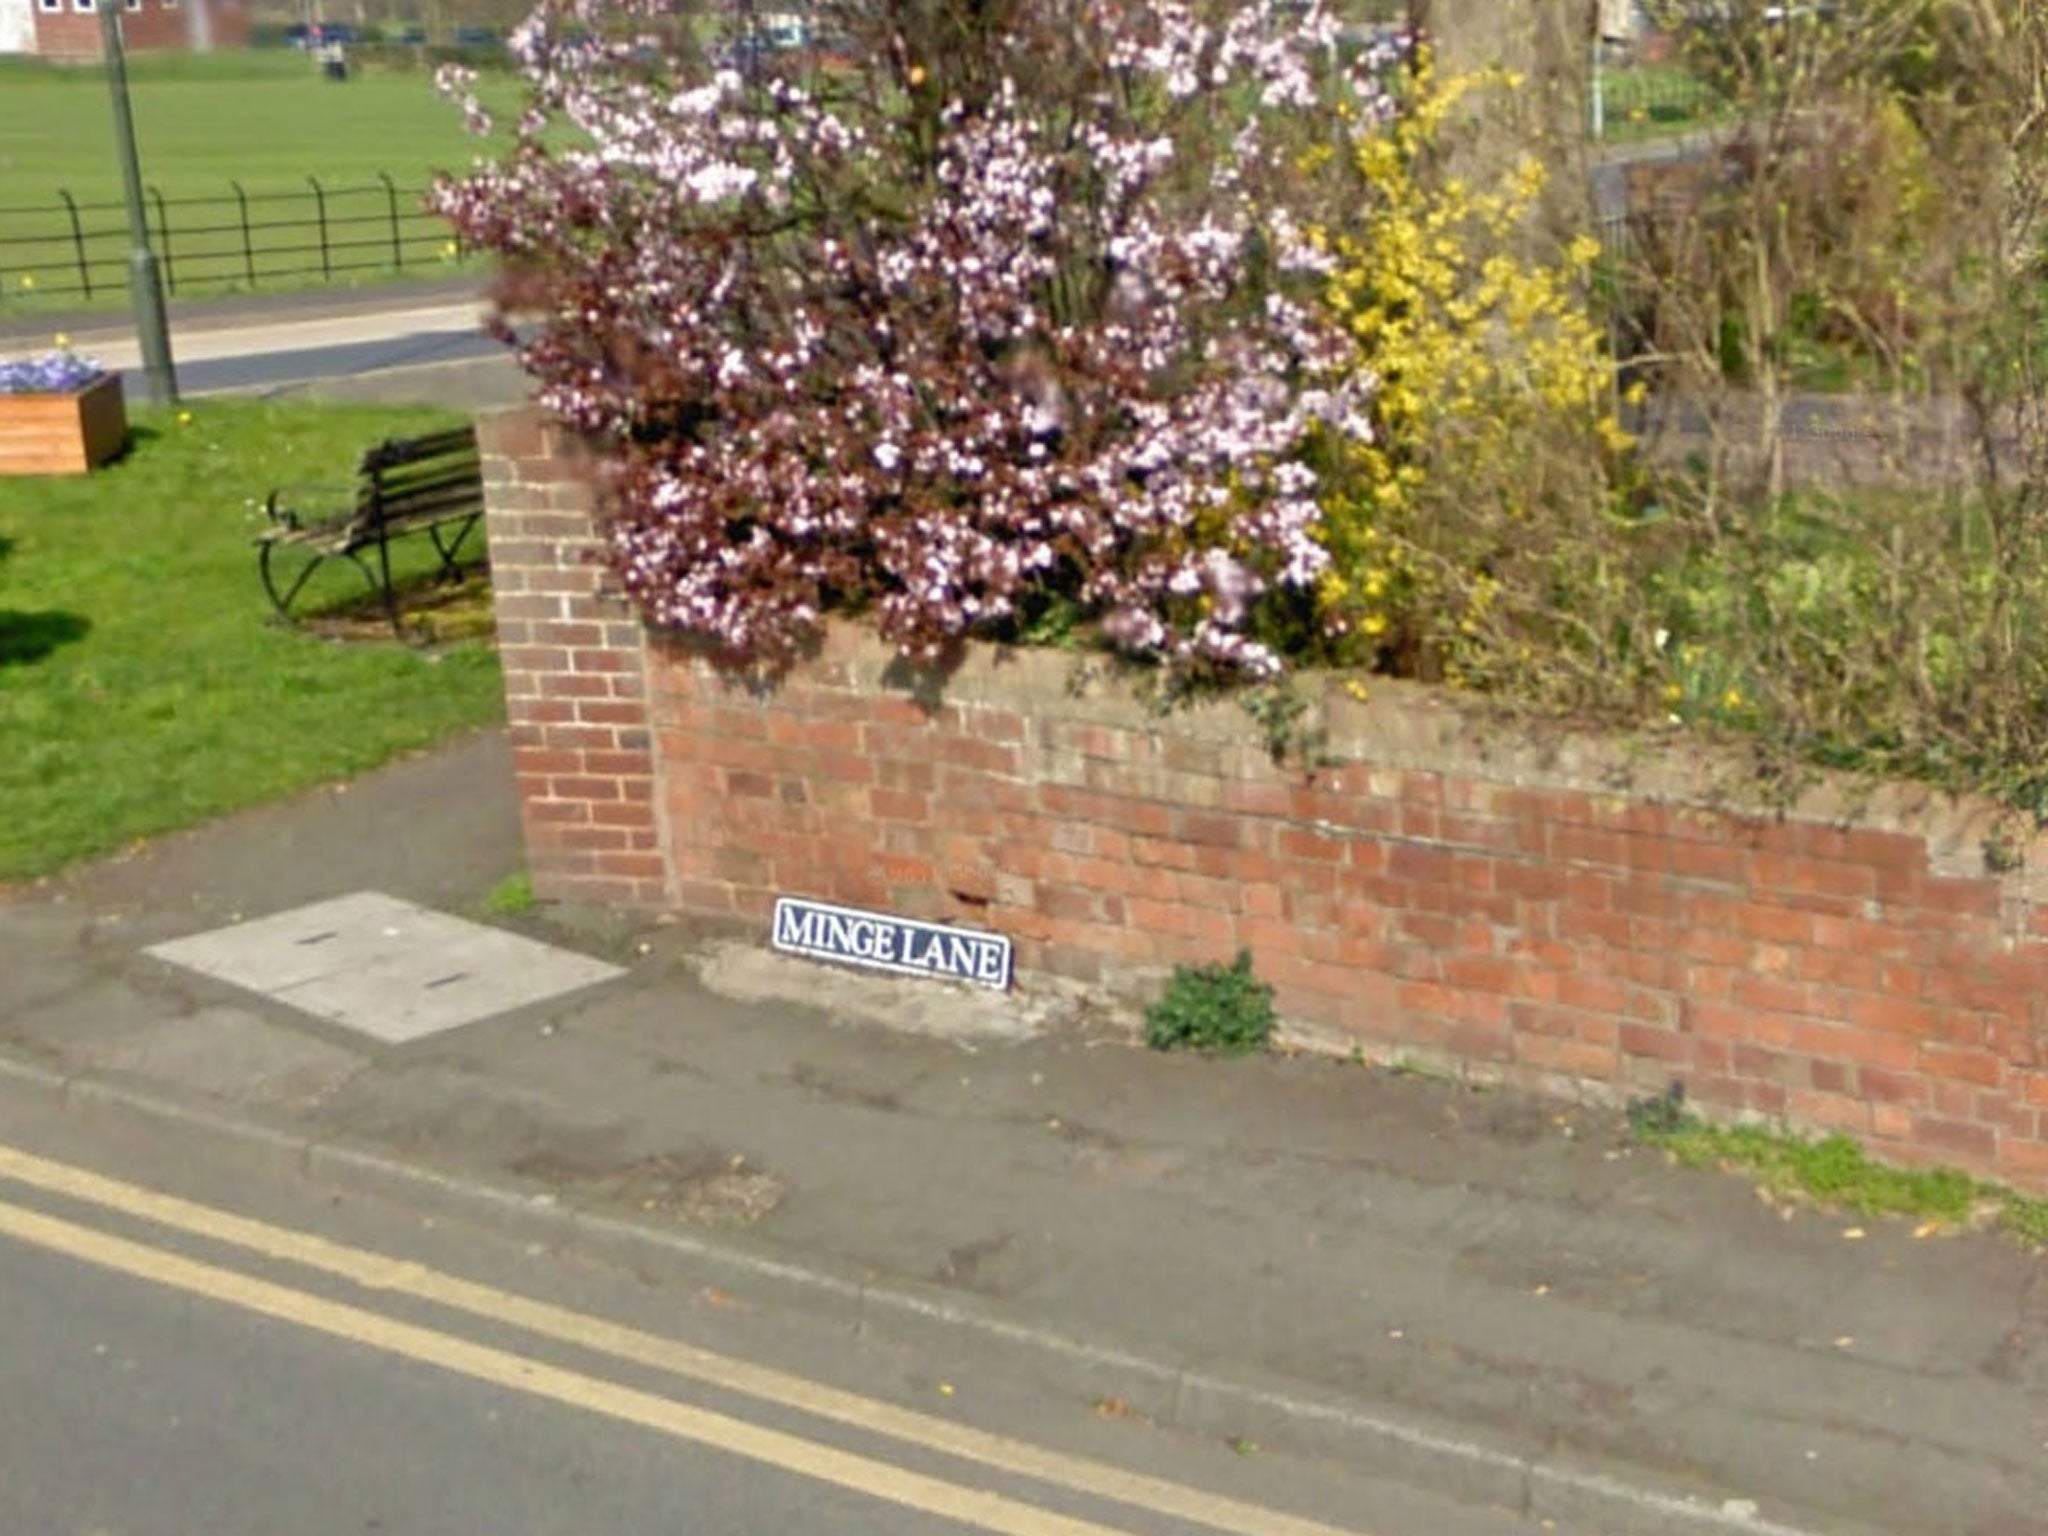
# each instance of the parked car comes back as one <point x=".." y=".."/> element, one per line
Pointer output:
<point x="777" y="34"/>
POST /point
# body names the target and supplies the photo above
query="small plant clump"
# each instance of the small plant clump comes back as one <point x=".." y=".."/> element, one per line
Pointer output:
<point x="511" y="896"/>
<point x="1223" y="1009"/>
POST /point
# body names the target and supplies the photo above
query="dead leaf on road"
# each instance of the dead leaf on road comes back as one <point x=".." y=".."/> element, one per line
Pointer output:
<point x="1113" y="1408"/>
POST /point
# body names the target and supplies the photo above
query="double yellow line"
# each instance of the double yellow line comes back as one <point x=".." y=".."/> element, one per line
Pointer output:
<point x="957" y="1501"/>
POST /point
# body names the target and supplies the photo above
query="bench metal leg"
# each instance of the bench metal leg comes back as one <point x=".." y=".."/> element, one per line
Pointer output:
<point x="269" y="563"/>
<point x="450" y="569"/>
<point x="390" y="592"/>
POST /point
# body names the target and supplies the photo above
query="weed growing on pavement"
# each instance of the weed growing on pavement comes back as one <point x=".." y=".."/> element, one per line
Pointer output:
<point x="1836" y="1171"/>
<point x="1660" y="1114"/>
<point x="511" y="896"/>
<point x="1218" y="1008"/>
<point x="2024" y="1217"/>
<point x="1404" y="1065"/>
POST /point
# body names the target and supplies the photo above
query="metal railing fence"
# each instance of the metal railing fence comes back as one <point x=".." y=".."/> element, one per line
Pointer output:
<point x="232" y="241"/>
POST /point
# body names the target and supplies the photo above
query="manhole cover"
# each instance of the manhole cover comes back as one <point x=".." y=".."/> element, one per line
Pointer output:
<point x="392" y="970"/>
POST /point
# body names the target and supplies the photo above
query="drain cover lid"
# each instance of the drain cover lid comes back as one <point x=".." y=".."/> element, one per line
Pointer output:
<point x="385" y="967"/>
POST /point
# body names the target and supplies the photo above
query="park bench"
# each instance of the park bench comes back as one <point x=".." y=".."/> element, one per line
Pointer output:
<point x="432" y="484"/>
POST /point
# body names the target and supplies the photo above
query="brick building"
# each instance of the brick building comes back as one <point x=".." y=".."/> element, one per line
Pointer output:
<point x="69" y="29"/>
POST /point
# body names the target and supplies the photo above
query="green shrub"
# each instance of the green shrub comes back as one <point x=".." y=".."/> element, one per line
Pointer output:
<point x="1220" y="1008"/>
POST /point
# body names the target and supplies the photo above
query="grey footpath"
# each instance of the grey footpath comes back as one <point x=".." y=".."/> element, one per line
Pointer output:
<point x="1492" y="1295"/>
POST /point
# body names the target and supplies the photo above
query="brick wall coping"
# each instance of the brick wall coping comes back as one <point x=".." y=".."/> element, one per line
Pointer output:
<point x="1405" y="726"/>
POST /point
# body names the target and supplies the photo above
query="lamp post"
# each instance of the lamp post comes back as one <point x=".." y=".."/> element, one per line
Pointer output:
<point x="145" y="286"/>
<point x="1597" y="95"/>
<point x="1599" y="102"/>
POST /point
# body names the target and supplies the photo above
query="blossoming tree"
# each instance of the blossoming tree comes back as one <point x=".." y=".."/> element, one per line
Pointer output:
<point x="1013" y="314"/>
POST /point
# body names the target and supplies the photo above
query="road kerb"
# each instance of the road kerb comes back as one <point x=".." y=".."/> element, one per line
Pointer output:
<point x="1389" y="1442"/>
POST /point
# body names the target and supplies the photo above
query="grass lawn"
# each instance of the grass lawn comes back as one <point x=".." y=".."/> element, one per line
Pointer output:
<point x="1649" y="100"/>
<point x="143" y="686"/>
<point x="263" y="119"/>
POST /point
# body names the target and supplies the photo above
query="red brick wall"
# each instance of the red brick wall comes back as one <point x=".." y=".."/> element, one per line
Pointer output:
<point x="1436" y="889"/>
<point x="575" y="689"/>
<point x="74" y="34"/>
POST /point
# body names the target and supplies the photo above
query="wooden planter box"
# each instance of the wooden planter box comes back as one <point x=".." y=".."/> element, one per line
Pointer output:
<point x="63" y="434"/>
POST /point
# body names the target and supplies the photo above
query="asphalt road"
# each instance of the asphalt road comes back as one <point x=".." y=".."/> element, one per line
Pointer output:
<point x="197" y="1345"/>
<point x="340" y="360"/>
<point x="134" y="1410"/>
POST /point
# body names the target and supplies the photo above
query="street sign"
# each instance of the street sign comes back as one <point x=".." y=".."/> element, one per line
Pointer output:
<point x="901" y="945"/>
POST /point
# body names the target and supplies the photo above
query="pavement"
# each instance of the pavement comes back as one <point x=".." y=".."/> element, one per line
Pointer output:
<point x="1494" y="1296"/>
<point x="100" y="325"/>
<point x="407" y="342"/>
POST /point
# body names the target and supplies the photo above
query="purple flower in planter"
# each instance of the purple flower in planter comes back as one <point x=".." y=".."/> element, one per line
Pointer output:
<point x="48" y="373"/>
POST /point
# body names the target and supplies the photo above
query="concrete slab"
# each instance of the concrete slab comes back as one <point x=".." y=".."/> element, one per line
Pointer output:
<point x="385" y="967"/>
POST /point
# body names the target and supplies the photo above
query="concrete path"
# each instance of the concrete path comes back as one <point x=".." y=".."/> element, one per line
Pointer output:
<point x="204" y="341"/>
<point x="103" y="325"/>
<point x="403" y="343"/>
<point x="1494" y="1296"/>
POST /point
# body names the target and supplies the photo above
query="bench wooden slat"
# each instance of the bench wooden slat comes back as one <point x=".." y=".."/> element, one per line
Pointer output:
<point x="434" y="500"/>
<point x="403" y="450"/>
<point x="398" y="482"/>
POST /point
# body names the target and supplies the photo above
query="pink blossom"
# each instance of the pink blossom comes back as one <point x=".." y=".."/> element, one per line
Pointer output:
<point x="941" y="339"/>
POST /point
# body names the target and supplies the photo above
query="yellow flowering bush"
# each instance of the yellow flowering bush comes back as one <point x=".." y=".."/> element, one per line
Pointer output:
<point x="1865" y="596"/>
<point x="1496" y="434"/>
